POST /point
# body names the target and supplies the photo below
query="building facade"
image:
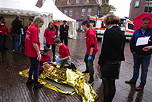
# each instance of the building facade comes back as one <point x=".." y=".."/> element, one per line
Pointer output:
<point x="77" y="9"/>
<point x="138" y="7"/>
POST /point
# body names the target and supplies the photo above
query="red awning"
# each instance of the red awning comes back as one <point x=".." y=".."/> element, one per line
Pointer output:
<point x="138" y="20"/>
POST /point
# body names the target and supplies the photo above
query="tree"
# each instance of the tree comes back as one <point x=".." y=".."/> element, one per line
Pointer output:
<point x="107" y="9"/>
<point x="104" y="7"/>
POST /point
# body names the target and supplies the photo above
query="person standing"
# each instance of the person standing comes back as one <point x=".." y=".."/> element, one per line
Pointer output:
<point x="112" y="53"/>
<point x="91" y="49"/>
<point x="32" y="50"/>
<point x="141" y="54"/>
<point x="50" y="35"/>
<point x="17" y="31"/>
<point x="64" y="33"/>
<point x="3" y="33"/>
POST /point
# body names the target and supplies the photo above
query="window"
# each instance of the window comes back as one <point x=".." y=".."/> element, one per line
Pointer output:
<point x="70" y="13"/>
<point x="83" y="12"/>
<point x="103" y="25"/>
<point x="130" y="26"/>
<point x="137" y="4"/>
<point x="148" y="8"/>
<point x="66" y="12"/>
<point x="89" y="11"/>
<point x="92" y="22"/>
<point x="77" y="1"/>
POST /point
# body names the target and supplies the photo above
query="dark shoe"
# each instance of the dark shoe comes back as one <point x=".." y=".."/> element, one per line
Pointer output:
<point x="139" y="88"/>
<point x="29" y="81"/>
<point x="130" y="82"/>
<point x="37" y="85"/>
<point x="85" y="72"/>
<point x="91" y="80"/>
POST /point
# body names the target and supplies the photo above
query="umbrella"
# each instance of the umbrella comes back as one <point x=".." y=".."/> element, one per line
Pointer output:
<point x="138" y="20"/>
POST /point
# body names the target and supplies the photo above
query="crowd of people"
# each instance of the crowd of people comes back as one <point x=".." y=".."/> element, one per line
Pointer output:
<point x="111" y="55"/>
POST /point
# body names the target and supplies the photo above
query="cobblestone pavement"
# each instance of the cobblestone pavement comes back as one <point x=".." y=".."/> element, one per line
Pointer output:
<point x="13" y="88"/>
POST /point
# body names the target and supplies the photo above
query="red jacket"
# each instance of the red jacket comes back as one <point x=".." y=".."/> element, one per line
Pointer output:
<point x="3" y="29"/>
<point x="45" y="58"/>
<point x="48" y="34"/>
<point x="64" y="51"/>
<point x="32" y="36"/>
<point x="91" y="41"/>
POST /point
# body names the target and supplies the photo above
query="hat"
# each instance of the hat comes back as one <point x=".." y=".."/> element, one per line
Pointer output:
<point x="65" y="21"/>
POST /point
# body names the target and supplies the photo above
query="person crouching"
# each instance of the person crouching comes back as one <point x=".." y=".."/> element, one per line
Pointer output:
<point x="44" y="58"/>
<point x="64" y="54"/>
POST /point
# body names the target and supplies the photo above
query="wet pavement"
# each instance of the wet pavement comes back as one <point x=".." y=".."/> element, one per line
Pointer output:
<point x="14" y="89"/>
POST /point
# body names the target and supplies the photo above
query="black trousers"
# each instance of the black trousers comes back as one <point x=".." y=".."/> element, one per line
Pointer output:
<point x="89" y="64"/>
<point x="53" y="50"/>
<point x="1" y="43"/>
<point x="109" y="89"/>
<point x="64" y="39"/>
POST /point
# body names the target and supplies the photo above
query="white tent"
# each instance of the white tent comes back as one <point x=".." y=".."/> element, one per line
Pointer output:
<point x="49" y="6"/>
<point x="19" y="7"/>
<point x="27" y="8"/>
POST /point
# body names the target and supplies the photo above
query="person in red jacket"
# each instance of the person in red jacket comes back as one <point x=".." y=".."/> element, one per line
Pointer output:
<point x="3" y="32"/>
<point x="45" y="58"/>
<point x="50" y="35"/>
<point x="64" y="54"/>
<point x="91" y="49"/>
<point x="32" y="50"/>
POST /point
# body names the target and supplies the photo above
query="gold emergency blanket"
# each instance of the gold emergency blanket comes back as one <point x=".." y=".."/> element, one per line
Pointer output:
<point x="69" y="77"/>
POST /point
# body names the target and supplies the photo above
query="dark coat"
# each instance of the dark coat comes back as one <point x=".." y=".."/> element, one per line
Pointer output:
<point x="113" y="46"/>
<point x="16" y="26"/>
<point x="64" y="30"/>
<point x="112" y="52"/>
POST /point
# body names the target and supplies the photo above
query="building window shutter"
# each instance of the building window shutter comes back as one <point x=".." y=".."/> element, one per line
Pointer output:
<point x="137" y="4"/>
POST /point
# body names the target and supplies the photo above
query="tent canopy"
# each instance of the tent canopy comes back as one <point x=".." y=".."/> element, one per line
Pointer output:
<point x="27" y="7"/>
<point x="20" y="7"/>
<point x="48" y="9"/>
<point x="138" y="20"/>
<point x="49" y="6"/>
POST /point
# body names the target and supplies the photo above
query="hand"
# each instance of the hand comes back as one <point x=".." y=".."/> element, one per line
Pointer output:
<point x="53" y="37"/>
<point x="89" y="57"/>
<point x="44" y="42"/>
<point x="147" y="48"/>
<point x="98" y="68"/>
<point x="39" y="57"/>
<point x="58" y="60"/>
<point x="49" y="62"/>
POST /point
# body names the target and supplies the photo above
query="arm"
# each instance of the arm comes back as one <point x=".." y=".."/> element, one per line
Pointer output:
<point x="37" y="50"/>
<point x="91" y="50"/>
<point x="92" y="44"/>
<point x="35" y="41"/>
<point x="133" y="43"/>
<point x="65" y="58"/>
<point x="147" y="48"/>
<point x="104" y="48"/>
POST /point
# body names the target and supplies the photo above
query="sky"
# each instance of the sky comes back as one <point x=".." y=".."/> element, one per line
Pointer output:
<point x="122" y="7"/>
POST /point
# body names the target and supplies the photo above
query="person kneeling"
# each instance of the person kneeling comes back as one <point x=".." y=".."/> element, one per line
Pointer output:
<point x="45" y="58"/>
<point x="64" y="54"/>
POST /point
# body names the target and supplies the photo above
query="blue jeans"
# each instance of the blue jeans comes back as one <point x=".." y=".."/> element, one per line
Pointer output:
<point x="143" y="62"/>
<point x="16" y="42"/>
<point x="34" y="68"/>
<point x="1" y="43"/>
